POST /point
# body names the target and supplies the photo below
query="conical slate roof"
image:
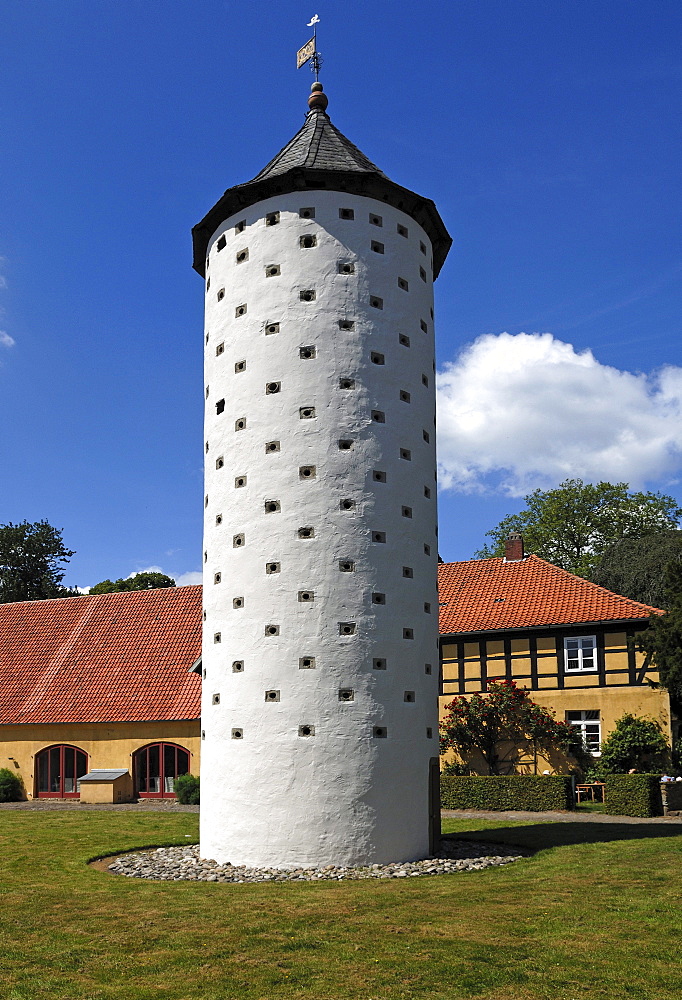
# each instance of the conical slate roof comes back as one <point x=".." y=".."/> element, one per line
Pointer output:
<point x="319" y="145"/>
<point x="321" y="157"/>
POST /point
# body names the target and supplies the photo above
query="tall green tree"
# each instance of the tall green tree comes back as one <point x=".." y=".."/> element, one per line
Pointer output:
<point x="662" y="641"/>
<point x="635" y="567"/>
<point x="502" y="726"/>
<point x="140" y="581"/>
<point x="573" y="525"/>
<point x="32" y="560"/>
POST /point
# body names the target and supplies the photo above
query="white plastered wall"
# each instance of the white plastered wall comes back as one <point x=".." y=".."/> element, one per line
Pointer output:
<point x="344" y="795"/>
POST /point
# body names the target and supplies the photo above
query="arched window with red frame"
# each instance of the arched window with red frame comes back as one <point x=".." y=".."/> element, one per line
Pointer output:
<point x="156" y="767"/>
<point x="58" y="770"/>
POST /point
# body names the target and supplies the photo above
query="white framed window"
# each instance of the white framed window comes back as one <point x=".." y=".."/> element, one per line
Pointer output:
<point x="588" y="723"/>
<point x="580" y="653"/>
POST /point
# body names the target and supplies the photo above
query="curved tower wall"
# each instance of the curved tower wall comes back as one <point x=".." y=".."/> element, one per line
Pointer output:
<point x="320" y="400"/>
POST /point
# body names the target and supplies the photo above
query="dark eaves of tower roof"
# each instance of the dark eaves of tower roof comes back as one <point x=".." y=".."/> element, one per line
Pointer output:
<point x="318" y="157"/>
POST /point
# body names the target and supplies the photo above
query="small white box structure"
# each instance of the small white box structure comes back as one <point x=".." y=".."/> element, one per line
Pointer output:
<point x="104" y="785"/>
<point x="320" y="649"/>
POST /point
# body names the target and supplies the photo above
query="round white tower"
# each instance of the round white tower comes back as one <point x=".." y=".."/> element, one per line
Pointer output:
<point x="320" y="655"/>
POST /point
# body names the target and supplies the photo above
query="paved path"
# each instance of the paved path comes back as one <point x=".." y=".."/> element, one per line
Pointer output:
<point x="170" y="805"/>
<point x="558" y="817"/>
<point x="61" y="805"/>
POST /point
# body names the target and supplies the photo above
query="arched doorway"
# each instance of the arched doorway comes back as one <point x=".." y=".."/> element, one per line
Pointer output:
<point x="57" y="771"/>
<point x="156" y="767"/>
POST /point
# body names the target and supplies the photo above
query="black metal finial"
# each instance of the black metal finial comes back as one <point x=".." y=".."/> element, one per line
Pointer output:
<point x="309" y="51"/>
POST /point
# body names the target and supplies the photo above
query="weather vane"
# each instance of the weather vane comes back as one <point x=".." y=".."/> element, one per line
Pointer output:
<point x="309" y="51"/>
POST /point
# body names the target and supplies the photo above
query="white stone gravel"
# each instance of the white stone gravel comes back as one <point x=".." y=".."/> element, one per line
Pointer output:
<point x="184" y="864"/>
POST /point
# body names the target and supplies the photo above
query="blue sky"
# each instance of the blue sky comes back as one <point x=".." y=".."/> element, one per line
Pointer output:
<point x="546" y="132"/>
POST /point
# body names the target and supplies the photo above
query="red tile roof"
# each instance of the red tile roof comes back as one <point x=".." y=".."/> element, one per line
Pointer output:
<point x="101" y="658"/>
<point x="492" y="594"/>
<point x="126" y="657"/>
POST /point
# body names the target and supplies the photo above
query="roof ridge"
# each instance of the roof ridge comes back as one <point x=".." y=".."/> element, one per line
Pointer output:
<point x="315" y="140"/>
<point x="46" y="600"/>
<point x="465" y="562"/>
<point x="109" y="593"/>
<point x="281" y="153"/>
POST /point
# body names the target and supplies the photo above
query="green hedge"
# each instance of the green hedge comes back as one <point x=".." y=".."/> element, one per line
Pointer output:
<point x="532" y="793"/>
<point x="633" y="795"/>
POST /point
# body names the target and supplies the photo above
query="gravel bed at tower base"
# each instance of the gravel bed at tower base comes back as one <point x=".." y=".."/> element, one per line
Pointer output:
<point x="178" y="864"/>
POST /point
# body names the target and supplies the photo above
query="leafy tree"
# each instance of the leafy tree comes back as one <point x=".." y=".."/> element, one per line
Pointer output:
<point x="634" y="743"/>
<point x="31" y="562"/>
<point x="140" y="581"/>
<point x="635" y="567"/>
<point x="572" y="525"/>
<point x="662" y="641"/>
<point x="502" y="726"/>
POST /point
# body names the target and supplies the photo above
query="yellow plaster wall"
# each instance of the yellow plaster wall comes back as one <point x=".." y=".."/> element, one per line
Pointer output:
<point x="613" y="640"/>
<point x="581" y="680"/>
<point x="545" y="644"/>
<point x="521" y="666"/>
<point x="614" y="660"/>
<point x="107" y="744"/>
<point x="547" y="666"/>
<point x="612" y="703"/>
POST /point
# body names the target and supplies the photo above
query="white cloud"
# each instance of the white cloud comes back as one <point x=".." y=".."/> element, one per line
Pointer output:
<point x="6" y="340"/>
<point x="518" y="412"/>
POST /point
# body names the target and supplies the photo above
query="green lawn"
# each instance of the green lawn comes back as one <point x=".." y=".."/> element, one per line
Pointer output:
<point x="593" y="807"/>
<point x="596" y="914"/>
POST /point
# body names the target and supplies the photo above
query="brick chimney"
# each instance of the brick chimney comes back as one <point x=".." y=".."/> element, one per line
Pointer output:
<point x="513" y="547"/>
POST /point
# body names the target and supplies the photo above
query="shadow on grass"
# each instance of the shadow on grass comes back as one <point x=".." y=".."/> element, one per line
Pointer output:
<point x="539" y="836"/>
